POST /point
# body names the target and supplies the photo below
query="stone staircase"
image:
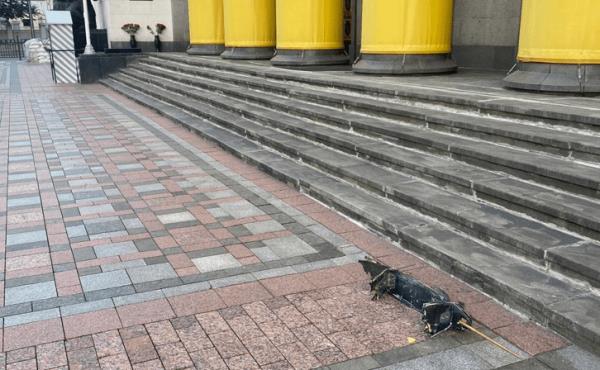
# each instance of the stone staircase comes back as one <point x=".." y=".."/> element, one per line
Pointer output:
<point x="502" y="193"/>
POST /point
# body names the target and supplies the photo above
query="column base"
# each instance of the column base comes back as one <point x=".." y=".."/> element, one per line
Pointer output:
<point x="248" y="53"/>
<point x="286" y="57"/>
<point x="205" y="49"/>
<point x="404" y="64"/>
<point x="558" y="78"/>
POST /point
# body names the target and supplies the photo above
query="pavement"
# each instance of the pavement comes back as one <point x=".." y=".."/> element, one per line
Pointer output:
<point x="130" y="242"/>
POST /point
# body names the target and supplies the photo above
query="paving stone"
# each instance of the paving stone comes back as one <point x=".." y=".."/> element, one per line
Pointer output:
<point x="86" y="307"/>
<point x="217" y="262"/>
<point x="76" y="231"/>
<point x="104" y="225"/>
<point x="138" y="298"/>
<point x="290" y="246"/>
<point x="570" y="358"/>
<point x="31" y="292"/>
<point x="84" y="254"/>
<point x="173" y="218"/>
<point x="27" y="318"/>
<point x="104" y="280"/>
<point x="456" y="358"/>
<point x="264" y="227"/>
<point x="115" y="249"/>
<point x="27" y="237"/>
<point x="122" y="265"/>
<point x="151" y="273"/>
<point x="145" y="245"/>
<point x="155" y="187"/>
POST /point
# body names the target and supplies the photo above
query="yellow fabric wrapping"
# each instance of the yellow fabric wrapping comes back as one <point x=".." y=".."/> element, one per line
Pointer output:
<point x="249" y="23"/>
<point x="407" y="26"/>
<point x="560" y="31"/>
<point x="310" y="24"/>
<point x="206" y="22"/>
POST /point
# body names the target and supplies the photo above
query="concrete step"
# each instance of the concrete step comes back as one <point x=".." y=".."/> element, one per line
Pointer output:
<point x="574" y="213"/>
<point x="525" y="106"/>
<point x="509" y="231"/>
<point x="554" y="171"/>
<point x="579" y="145"/>
<point x="560" y="304"/>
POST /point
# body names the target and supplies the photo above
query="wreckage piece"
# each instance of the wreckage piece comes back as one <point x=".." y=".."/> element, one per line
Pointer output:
<point x="438" y="313"/>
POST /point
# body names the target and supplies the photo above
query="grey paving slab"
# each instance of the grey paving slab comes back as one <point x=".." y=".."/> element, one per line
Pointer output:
<point x="23" y="201"/>
<point x="27" y="237"/>
<point x="76" y="231"/>
<point x="132" y="223"/>
<point x="290" y="246"/>
<point x="241" y="209"/>
<point x="458" y="358"/>
<point x="84" y="254"/>
<point x="570" y="358"/>
<point x="186" y="289"/>
<point x="216" y="262"/>
<point x="264" y="227"/>
<point x="115" y="249"/>
<point x="30" y="317"/>
<point x="173" y="218"/>
<point x="361" y="363"/>
<point x="265" y="254"/>
<point x="270" y="273"/>
<point x="138" y="298"/>
<point x="231" y="280"/>
<point x="91" y="306"/>
<point x="144" y="274"/>
<point x="90" y="210"/>
<point x="496" y="356"/>
<point x="155" y="187"/>
<point x="104" y="280"/>
<point x="104" y="225"/>
<point x="28" y="293"/>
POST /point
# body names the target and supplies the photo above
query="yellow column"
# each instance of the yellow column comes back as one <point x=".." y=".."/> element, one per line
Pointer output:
<point x="559" y="46"/>
<point x="560" y="31"/>
<point x="249" y="29"/>
<point x="406" y="36"/>
<point x="310" y="32"/>
<point x="206" y="27"/>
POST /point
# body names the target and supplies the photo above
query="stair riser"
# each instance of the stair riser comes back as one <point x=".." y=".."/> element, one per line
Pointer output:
<point x="397" y="113"/>
<point x="577" y="333"/>
<point x="422" y="143"/>
<point x="381" y="158"/>
<point x="479" y="231"/>
<point x="454" y="101"/>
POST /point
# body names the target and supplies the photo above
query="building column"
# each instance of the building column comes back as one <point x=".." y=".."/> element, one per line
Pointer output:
<point x="406" y="37"/>
<point x="206" y="27"/>
<point x="310" y="32"/>
<point x="559" y="47"/>
<point x="249" y="29"/>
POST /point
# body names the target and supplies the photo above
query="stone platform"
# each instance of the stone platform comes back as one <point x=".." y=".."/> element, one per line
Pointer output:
<point x="500" y="188"/>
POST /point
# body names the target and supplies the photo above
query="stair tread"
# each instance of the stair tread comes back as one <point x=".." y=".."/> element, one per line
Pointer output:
<point x="541" y="135"/>
<point x="566" y="307"/>
<point x="459" y="172"/>
<point x="525" y="161"/>
<point x="483" y="101"/>
<point x="529" y="238"/>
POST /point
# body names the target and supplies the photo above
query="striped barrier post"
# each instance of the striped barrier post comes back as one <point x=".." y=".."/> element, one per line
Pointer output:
<point x="62" y="47"/>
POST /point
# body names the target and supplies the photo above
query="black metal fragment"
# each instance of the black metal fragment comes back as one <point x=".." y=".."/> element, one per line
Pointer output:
<point x="438" y="313"/>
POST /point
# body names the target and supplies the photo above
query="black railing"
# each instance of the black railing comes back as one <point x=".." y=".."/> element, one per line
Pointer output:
<point x="12" y="48"/>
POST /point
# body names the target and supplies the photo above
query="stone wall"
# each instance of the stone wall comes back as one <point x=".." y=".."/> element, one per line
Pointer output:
<point x="486" y="33"/>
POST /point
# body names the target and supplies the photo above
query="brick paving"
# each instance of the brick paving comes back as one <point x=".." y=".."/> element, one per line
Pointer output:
<point x="129" y="242"/>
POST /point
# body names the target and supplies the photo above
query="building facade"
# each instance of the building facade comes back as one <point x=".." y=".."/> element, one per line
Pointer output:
<point x="113" y="14"/>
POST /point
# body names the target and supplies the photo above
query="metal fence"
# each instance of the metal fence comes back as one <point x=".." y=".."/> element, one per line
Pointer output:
<point x="12" y="48"/>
